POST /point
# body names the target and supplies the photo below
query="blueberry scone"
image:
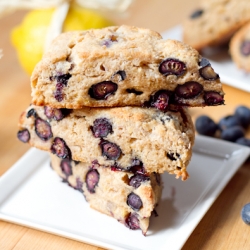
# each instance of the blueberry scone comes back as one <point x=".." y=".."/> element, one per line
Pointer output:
<point x="123" y="66"/>
<point x="124" y="138"/>
<point x="130" y="198"/>
<point x="214" y="22"/>
<point x="240" y="48"/>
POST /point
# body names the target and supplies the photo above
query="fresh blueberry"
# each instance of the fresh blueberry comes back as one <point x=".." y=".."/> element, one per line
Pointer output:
<point x="243" y="141"/>
<point x="205" y="125"/>
<point x="245" y="213"/>
<point x="232" y="133"/>
<point x="243" y="114"/>
<point x="228" y="122"/>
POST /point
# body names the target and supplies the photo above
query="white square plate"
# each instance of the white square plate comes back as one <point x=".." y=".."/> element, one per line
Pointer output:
<point x="220" y="61"/>
<point x="33" y="195"/>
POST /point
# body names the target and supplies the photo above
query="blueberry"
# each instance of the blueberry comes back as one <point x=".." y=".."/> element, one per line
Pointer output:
<point x="110" y="150"/>
<point x="30" y="113"/>
<point x="58" y="94"/>
<point x="188" y="90"/>
<point x="172" y="66"/>
<point x="245" y="48"/>
<point x="136" y="180"/>
<point x="205" y="125"/>
<point x="23" y="135"/>
<point x="245" y="213"/>
<point x="134" y="201"/>
<point x="243" y="114"/>
<point x="43" y="129"/>
<point x="92" y="179"/>
<point x="206" y="71"/>
<point x="132" y="222"/>
<point x="136" y="167"/>
<point x="196" y="13"/>
<point x="102" y="90"/>
<point x="101" y="127"/>
<point x="66" y="167"/>
<point x="213" y="98"/>
<point x="108" y="42"/>
<point x="56" y="114"/>
<point x="63" y="78"/>
<point x="228" y="122"/>
<point x="60" y="148"/>
<point x="243" y="141"/>
<point x="79" y="185"/>
<point x="232" y="133"/>
<point x="160" y="100"/>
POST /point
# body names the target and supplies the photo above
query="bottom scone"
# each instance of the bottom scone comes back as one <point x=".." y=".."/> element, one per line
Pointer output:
<point x="129" y="198"/>
<point x="240" y="48"/>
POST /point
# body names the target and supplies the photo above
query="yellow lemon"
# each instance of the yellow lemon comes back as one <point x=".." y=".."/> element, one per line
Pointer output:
<point x="29" y="37"/>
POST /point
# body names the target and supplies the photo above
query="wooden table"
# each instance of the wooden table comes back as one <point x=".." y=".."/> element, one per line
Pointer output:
<point x="221" y="227"/>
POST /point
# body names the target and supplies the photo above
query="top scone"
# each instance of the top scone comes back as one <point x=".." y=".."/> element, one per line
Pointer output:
<point x="214" y="22"/>
<point x="123" y="66"/>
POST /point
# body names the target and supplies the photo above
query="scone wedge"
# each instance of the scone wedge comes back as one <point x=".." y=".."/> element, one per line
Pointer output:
<point x="126" y="138"/>
<point x="129" y="198"/>
<point x="123" y="66"/>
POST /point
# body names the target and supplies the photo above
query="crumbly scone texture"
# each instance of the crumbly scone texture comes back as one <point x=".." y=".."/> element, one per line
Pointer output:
<point x="112" y="189"/>
<point x="240" y="48"/>
<point x="217" y="22"/>
<point x="160" y="141"/>
<point x="129" y="57"/>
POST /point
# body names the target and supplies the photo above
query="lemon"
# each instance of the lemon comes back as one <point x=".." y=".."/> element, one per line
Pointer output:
<point x="28" y="38"/>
